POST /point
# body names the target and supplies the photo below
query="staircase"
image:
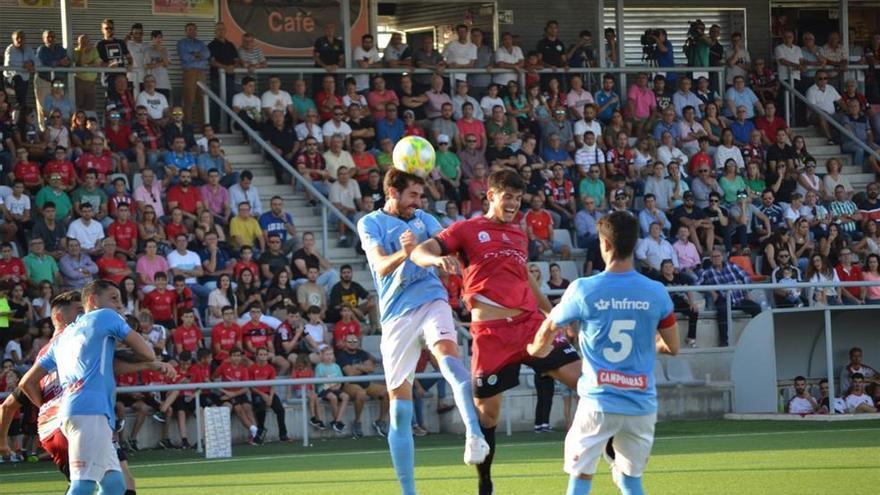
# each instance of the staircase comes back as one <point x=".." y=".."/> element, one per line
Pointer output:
<point x="821" y="151"/>
<point x="305" y="217"/>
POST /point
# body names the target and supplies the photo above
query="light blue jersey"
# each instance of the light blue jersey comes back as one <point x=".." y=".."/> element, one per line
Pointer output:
<point x="409" y="286"/>
<point x="619" y="314"/>
<point x="83" y="356"/>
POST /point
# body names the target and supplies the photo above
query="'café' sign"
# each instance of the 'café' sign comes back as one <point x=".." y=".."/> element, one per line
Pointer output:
<point x="289" y="27"/>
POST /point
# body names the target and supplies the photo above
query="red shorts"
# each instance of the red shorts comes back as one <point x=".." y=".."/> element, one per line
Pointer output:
<point x="56" y="445"/>
<point x="499" y="348"/>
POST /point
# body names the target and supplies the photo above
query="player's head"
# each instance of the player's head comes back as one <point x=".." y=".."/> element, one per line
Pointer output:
<point x="618" y="233"/>
<point x="403" y="192"/>
<point x="101" y="294"/>
<point x="65" y="308"/>
<point x="800" y="385"/>
<point x="505" y="195"/>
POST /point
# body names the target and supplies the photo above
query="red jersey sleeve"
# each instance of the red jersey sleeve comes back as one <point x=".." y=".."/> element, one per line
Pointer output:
<point x="667" y="322"/>
<point x="450" y="238"/>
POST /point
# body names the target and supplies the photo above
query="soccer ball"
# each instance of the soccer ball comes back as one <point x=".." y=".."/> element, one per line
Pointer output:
<point x="415" y="155"/>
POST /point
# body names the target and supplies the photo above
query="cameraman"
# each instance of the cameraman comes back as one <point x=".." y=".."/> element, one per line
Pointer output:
<point x="697" y="45"/>
<point x="664" y="55"/>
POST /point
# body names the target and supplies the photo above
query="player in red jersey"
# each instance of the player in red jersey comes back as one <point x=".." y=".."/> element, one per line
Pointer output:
<point x="236" y="398"/>
<point x="256" y="334"/>
<point x="225" y="336"/>
<point x="265" y="397"/>
<point x="162" y="302"/>
<point x="188" y="336"/>
<point x="507" y="306"/>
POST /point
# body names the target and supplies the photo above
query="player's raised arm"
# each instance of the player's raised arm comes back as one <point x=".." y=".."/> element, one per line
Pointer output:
<point x="384" y="263"/>
<point x="142" y="351"/>
<point x="568" y="310"/>
<point x="430" y="253"/>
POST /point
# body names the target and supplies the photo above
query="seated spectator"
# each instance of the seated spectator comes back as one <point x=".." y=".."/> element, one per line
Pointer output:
<point x="310" y="294"/>
<point x="500" y="122"/>
<point x="684" y="98"/>
<point x="111" y="267"/>
<point x="307" y="257"/>
<point x="332" y="392"/>
<point x="225" y="335"/>
<point x="215" y="159"/>
<point x="77" y="268"/>
<point x="722" y="272"/>
<point x="497" y="155"/>
<point x="653" y="249"/>
<point x="683" y="302"/>
<point x="819" y="271"/>
<point x="847" y="271"/>
<point x="345" y="196"/>
<point x="282" y="138"/>
<point x="186" y="263"/>
<point x="244" y="229"/>
<point x="120" y="99"/>
<point x="443" y="125"/>
<point x="539" y="227"/>
<point x="380" y="97"/>
<point x="728" y="149"/>
<point x="364" y="161"/>
<point x="335" y="157"/>
<point x="588" y="123"/>
<point x="265" y="397"/>
<point x="560" y="127"/>
<point x="560" y="196"/>
<point x="690" y="131"/>
<point x="460" y="98"/>
<point x="857" y="401"/>
<point x="871" y="273"/>
<point x="351" y="294"/>
<point x="802" y="403"/>
<point x="276" y="98"/>
<point x="856" y="366"/>
<point x="741" y="96"/>
<point x="236" y="398"/>
<point x="246" y="191"/>
<point x="668" y="124"/>
<point x="826" y="98"/>
<point x="667" y="152"/>
<point x="310" y="164"/>
<point x="741" y="127"/>
<point x="280" y="223"/>
<point x="216" y="260"/>
<point x="354" y="361"/>
<point x="650" y="214"/>
<point x="857" y="122"/>
<point x="770" y="124"/>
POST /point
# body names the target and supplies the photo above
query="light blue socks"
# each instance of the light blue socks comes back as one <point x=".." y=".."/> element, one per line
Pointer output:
<point x="82" y="487"/>
<point x="631" y="486"/>
<point x="578" y="486"/>
<point x="113" y="483"/>
<point x="457" y="375"/>
<point x="400" y="440"/>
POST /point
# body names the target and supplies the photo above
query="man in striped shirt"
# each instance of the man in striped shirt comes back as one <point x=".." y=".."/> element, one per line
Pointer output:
<point x="845" y="213"/>
<point x="723" y="272"/>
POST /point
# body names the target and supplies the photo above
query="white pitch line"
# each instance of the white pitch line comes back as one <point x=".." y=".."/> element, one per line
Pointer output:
<point x="436" y="449"/>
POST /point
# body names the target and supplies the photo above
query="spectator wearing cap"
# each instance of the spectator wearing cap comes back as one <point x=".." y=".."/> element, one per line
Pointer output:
<point x="87" y="231"/>
<point x="722" y="272"/>
<point x="411" y="127"/>
<point x="560" y="126"/>
<point x="57" y="101"/>
<point x="702" y="230"/>
<point x="390" y="126"/>
<point x="741" y="126"/>
<point x="245" y="191"/>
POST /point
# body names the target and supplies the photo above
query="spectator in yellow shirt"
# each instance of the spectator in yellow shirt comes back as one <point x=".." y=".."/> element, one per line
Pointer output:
<point x="244" y="230"/>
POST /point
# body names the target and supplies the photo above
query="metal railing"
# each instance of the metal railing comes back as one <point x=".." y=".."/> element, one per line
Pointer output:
<point x="279" y="160"/>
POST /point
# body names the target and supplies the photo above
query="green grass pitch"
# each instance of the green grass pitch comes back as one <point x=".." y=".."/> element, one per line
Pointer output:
<point x="704" y="457"/>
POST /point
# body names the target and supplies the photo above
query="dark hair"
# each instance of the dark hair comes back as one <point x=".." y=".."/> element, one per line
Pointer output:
<point x="123" y="296"/>
<point x="800" y="378"/>
<point x="400" y="180"/>
<point x="857" y="376"/>
<point x="246" y="174"/>
<point x="184" y="356"/>
<point x="621" y="229"/>
<point x="159" y="274"/>
<point x="345" y="267"/>
<point x="96" y="287"/>
<point x="501" y="180"/>
<point x="202" y="353"/>
<point x="65" y="298"/>
<point x="314" y="310"/>
<point x="247" y="80"/>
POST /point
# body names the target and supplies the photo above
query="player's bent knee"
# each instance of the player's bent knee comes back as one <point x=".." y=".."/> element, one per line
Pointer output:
<point x="446" y="348"/>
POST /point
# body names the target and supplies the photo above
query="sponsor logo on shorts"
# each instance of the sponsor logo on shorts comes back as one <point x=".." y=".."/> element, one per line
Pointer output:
<point x="479" y="382"/>
<point x="617" y="379"/>
<point x="492" y="380"/>
<point x="625" y="303"/>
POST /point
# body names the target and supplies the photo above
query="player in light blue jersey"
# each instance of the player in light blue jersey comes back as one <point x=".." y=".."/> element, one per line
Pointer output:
<point x="414" y="305"/>
<point x="619" y="313"/>
<point x="83" y="358"/>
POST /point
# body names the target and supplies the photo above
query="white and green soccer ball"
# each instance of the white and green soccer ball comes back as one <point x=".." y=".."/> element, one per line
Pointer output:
<point x="415" y="155"/>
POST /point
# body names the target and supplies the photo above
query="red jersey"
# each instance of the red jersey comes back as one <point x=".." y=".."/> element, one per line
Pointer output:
<point x="125" y="234"/>
<point x="172" y="229"/>
<point x="700" y="159"/>
<point x="854" y="274"/>
<point x="495" y="256"/>
<point x="262" y="372"/>
<point x="321" y="100"/>
<point x="541" y="224"/>
<point x="226" y="338"/>
<point x="152" y="377"/>
<point x="256" y="334"/>
<point x="227" y="372"/>
<point x="196" y="373"/>
<point x="187" y="337"/>
<point x="161" y="304"/>
<point x="184" y="299"/>
<point x="27" y="172"/>
<point x="342" y="330"/>
<point x="102" y="165"/>
<point x="311" y="162"/>
<point x="14" y="267"/>
<point x="561" y="194"/>
<point x="250" y="265"/>
<point x="106" y="264"/>
<point x="621" y="161"/>
<point x="52" y="392"/>
<point x="453" y="284"/>
<point x="120" y="139"/>
<point x="187" y="200"/>
<point x="127" y="379"/>
<point x="63" y="168"/>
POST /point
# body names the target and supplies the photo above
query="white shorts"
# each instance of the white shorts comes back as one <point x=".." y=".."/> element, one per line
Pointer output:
<point x="590" y="431"/>
<point x="402" y="339"/>
<point x="89" y="447"/>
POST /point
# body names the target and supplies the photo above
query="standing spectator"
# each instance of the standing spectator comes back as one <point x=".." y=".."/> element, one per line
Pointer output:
<point x="763" y="82"/>
<point x="427" y="57"/>
<point x="737" y="58"/>
<point x="826" y="98"/>
<point x="156" y="61"/>
<point x="18" y="55"/>
<point x="194" y="60"/>
<point x="137" y="49"/>
<point x="480" y="82"/>
<point x="507" y="56"/>
<point x="328" y="52"/>
<point x="113" y="51"/>
<point x="722" y="272"/>
<point x="641" y="104"/>
<point x="49" y="55"/>
<point x="224" y="57"/>
<point x="366" y="56"/>
<point x="250" y="55"/>
<point x="789" y="58"/>
<point x="551" y="51"/>
<point x="460" y="53"/>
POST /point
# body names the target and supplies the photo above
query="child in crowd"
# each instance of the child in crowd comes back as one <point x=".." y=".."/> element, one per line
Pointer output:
<point x="302" y="368"/>
<point x="332" y="392"/>
<point x="316" y="334"/>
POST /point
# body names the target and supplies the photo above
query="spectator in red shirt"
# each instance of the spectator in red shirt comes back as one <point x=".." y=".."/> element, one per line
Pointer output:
<point x="161" y="302"/>
<point x="183" y="296"/>
<point x="770" y="123"/>
<point x="236" y="398"/>
<point x="225" y="336"/>
<point x="62" y="166"/>
<point x="849" y="272"/>
<point x="539" y="227"/>
<point x="97" y="159"/>
<point x="12" y="270"/>
<point x="176" y="226"/>
<point x="327" y="99"/>
<point x="124" y="232"/>
<point x="110" y="266"/>
<point x="188" y="336"/>
<point x="347" y="325"/>
<point x="26" y="171"/>
<point x="264" y="397"/>
<point x="246" y="261"/>
<point x="187" y="198"/>
<point x="119" y="140"/>
<point x="256" y="334"/>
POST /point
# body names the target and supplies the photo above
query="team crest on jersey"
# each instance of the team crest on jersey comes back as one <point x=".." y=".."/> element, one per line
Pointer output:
<point x="418" y="224"/>
<point x="483" y="236"/>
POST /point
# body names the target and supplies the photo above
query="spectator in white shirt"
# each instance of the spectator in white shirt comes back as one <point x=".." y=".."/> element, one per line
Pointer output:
<point x="87" y="231"/>
<point x="460" y="98"/>
<point x="789" y="58"/>
<point x="587" y="123"/>
<point x="802" y="402"/>
<point x="507" y="56"/>
<point x="345" y="196"/>
<point x="824" y="96"/>
<point x="245" y="191"/>
<point x="338" y="126"/>
<point x="246" y="104"/>
<point x="460" y="53"/>
<point x="366" y="56"/>
<point x="652" y="250"/>
<point x="154" y="101"/>
<point x="276" y="98"/>
<point x="857" y="401"/>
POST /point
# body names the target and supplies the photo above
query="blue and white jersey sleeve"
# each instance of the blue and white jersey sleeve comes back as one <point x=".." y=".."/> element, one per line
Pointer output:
<point x="432" y="225"/>
<point x="368" y="231"/>
<point x="571" y="307"/>
<point x="112" y="323"/>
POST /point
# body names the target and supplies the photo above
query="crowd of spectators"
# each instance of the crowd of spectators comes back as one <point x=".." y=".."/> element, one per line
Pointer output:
<point x="141" y="192"/>
<point x="859" y="389"/>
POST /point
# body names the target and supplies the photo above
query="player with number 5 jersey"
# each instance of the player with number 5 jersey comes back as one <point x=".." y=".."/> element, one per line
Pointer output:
<point x="620" y="313"/>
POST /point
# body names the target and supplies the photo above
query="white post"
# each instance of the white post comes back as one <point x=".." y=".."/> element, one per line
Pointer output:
<point x="305" y="414"/>
<point x="621" y="48"/>
<point x="829" y="361"/>
<point x="844" y="25"/>
<point x="345" y="5"/>
<point x="599" y="33"/>
<point x="68" y="43"/>
<point x="199" y="448"/>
